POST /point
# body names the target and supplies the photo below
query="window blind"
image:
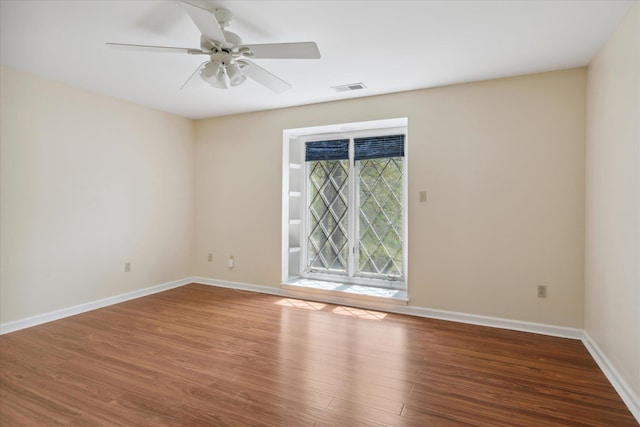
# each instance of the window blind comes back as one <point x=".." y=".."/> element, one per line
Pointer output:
<point x="377" y="147"/>
<point x="336" y="149"/>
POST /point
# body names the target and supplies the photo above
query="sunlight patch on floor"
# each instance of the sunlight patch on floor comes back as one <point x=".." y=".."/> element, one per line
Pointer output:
<point x="297" y="303"/>
<point x="359" y="313"/>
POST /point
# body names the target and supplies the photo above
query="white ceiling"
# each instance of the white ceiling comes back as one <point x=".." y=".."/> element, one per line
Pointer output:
<point x="390" y="46"/>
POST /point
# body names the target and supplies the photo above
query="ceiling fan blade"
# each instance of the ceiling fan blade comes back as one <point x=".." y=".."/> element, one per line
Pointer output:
<point x="159" y="49"/>
<point x="194" y="81"/>
<point x="303" y="50"/>
<point x="263" y="76"/>
<point x="206" y="22"/>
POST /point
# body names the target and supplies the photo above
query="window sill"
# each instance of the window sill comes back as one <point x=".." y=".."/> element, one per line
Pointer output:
<point x="357" y="293"/>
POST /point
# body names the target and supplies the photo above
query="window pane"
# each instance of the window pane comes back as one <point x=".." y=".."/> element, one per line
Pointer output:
<point x="380" y="246"/>
<point x="328" y="223"/>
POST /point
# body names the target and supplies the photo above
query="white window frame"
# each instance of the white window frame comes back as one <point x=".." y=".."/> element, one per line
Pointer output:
<point x="294" y="160"/>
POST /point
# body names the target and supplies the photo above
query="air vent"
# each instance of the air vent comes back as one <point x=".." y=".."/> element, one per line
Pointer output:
<point x="348" y="87"/>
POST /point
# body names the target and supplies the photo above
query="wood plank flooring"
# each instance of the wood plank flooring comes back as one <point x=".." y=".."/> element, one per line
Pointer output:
<point x="206" y="356"/>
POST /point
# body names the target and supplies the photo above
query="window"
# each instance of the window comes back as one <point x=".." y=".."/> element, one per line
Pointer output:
<point x="349" y="197"/>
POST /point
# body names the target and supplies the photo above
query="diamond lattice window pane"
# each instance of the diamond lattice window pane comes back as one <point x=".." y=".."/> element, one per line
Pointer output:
<point x="328" y="244"/>
<point x="380" y="248"/>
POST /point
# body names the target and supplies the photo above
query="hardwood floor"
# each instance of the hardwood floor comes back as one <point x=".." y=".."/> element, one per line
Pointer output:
<point x="200" y="355"/>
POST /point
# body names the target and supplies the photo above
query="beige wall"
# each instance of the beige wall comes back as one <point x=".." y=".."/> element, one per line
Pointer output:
<point x="612" y="289"/>
<point x="87" y="183"/>
<point x="502" y="162"/>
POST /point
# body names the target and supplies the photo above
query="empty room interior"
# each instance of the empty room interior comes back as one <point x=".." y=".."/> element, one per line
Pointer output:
<point x="316" y="213"/>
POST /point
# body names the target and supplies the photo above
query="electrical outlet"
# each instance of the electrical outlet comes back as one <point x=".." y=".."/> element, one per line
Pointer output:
<point x="210" y="257"/>
<point x="127" y="267"/>
<point x="542" y="291"/>
<point x="231" y="262"/>
<point x="423" y="196"/>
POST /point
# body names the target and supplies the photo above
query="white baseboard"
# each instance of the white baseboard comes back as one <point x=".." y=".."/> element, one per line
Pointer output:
<point x="494" y="322"/>
<point x="238" y="285"/>
<point x="39" y="319"/>
<point x="626" y="393"/>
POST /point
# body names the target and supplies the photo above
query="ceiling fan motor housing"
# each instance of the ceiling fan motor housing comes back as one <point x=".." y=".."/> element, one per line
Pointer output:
<point x="233" y="40"/>
<point x="223" y="16"/>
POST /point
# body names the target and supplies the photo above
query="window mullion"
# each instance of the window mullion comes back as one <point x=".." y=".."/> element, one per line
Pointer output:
<point x="304" y="218"/>
<point x="353" y="211"/>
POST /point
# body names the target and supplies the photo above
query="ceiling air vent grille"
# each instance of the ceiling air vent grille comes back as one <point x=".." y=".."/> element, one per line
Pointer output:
<point x="349" y="87"/>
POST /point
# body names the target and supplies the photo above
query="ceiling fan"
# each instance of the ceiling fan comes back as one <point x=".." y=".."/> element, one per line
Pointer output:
<point x="228" y="65"/>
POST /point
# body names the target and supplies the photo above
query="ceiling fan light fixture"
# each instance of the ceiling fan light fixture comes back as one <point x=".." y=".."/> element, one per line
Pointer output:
<point x="210" y="70"/>
<point x="213" y="73"/>
<point x="236" y="77"/>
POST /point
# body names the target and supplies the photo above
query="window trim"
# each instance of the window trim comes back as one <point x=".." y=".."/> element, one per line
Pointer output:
<point x="295" y="157"/>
